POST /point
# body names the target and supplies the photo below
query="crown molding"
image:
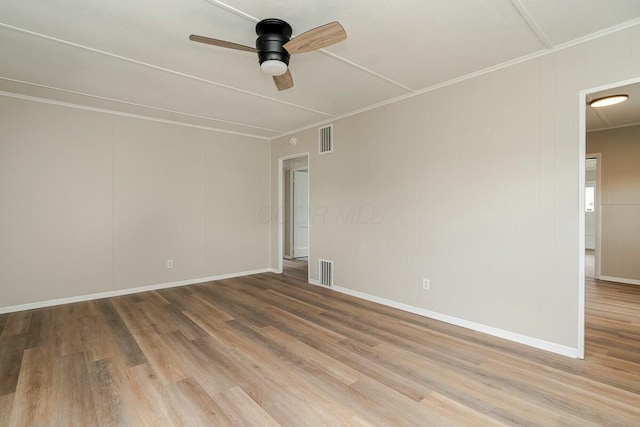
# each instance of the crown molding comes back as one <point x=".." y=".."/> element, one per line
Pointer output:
<point x="614" y="127"/>
<point x="469" y="76"/>
<point x="122" y="114"/>
<point x="135" y="104"/>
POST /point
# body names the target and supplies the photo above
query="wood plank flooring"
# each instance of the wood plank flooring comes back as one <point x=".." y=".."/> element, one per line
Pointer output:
<point x="270" y="350"/>
<point x="298" y="268"/>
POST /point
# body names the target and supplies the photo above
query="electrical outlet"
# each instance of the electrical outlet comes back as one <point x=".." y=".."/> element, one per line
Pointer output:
<point x="426" y="284"/>
<point x="169" y="263"/>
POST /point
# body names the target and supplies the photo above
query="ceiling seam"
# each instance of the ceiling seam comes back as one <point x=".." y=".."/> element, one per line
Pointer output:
<point x="326" y="52"/>
<point x="138" y="105"/>
<point x="123" y="114"/>
<point x="366" y="70"/>
<point x="524" y="13"/>
<point x="232" y="10"/>
<point x="598" y="34"/>
<point x="167" y="70"/>
<point x="602" y="117"/>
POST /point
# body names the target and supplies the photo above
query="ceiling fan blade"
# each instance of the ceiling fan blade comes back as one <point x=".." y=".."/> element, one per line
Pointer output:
<point x="317" y="38"/>
<point x="221" y="43"/>
<point x="284" y="81"/>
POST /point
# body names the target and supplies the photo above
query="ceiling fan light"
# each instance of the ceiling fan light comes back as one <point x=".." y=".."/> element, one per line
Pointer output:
<point x="608" y="100"/>
<point x="274" y="67"/>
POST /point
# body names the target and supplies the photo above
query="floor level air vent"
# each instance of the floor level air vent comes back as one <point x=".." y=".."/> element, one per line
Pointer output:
<point x="325" y="135"/>
<point x="326" y="272"/>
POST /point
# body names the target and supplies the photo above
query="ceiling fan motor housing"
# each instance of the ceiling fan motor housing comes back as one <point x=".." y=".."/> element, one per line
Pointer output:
<point x="272" y="35"/>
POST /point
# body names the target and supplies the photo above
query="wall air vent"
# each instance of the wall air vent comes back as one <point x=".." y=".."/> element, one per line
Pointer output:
<point x="325" y="137"/>
<point x="326" y="272"/>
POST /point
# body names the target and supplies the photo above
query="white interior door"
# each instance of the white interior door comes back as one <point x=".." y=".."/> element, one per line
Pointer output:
<point x="590" y="215"/>
<point x="300" y="217"/>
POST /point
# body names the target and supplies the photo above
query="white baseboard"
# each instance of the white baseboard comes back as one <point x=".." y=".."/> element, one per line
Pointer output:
<point x="479" y="327"/>
<point x="501" y="333"/>
<point x="620" y="280"/>
<point x="127" y="291"/>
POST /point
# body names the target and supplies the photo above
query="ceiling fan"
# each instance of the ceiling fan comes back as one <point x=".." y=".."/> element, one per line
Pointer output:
<point x="274" y="46"/>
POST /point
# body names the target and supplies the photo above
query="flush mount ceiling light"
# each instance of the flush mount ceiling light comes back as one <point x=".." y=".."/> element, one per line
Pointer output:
<point x="605" y="101"/>
<point x="273" y="67"/>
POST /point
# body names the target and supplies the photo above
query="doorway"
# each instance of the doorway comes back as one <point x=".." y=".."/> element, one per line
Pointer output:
<point x="293" y="224"/>
<point x="594" y="287"/>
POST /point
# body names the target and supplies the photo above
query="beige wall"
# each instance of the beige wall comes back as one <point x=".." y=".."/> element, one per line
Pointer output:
<point x="620" y="195"/>
<point x="92" y="202"/>
<point x="474" y="185"/>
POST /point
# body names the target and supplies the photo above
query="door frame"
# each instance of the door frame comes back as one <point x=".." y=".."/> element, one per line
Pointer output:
<point x="281" y="207"/>
<point x="582" y="153"/>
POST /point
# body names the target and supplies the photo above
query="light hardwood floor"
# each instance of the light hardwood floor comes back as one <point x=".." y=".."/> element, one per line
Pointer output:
<point x="298" y="268"/>
<point x="270" y="350"/>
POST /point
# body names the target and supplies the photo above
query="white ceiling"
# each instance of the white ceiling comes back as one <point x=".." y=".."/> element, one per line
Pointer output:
<point x="624" y="114"/>
<point x="135" y="56"/>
